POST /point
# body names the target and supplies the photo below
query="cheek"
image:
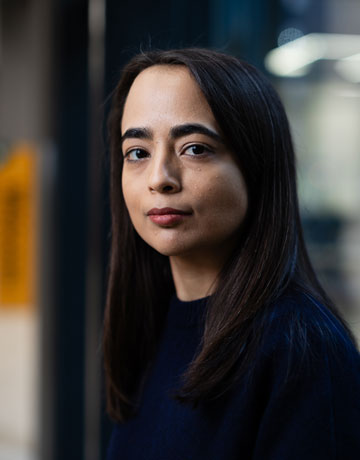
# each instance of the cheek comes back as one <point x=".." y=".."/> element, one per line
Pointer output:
<point x="225" y="196"/>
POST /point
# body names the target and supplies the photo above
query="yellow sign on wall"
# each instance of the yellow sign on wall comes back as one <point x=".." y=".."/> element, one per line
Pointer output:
<point x="18" y="226"/>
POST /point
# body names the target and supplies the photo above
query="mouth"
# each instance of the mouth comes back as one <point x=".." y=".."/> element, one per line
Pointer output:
<point x="165" y="211"/>
<point x="167" y="216"/>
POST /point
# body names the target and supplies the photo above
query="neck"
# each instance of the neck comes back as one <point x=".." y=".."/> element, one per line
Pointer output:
<point x="195" y="276"/>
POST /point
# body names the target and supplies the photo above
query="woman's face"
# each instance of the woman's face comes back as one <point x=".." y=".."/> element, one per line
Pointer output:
<point x="182" y="186"/>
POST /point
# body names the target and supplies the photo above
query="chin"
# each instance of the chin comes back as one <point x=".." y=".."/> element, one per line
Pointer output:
<point x="171" y="247"/>
<point x="171" y="250"/>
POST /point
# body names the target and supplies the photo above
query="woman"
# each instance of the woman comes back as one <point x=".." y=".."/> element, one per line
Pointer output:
<point x="219" y="342"/>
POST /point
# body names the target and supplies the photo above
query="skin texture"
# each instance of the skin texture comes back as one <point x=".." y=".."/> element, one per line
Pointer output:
<point x="192" y="171"/>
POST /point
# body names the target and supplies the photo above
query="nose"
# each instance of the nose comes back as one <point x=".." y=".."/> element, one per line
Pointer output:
<point x="164" y="176"/>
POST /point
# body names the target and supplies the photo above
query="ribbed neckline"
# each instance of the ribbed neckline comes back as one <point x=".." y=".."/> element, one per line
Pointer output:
<point x="186" y="313"/>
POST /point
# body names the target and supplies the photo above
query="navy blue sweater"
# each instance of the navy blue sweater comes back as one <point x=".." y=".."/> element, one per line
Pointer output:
<point x="314" y="415"/>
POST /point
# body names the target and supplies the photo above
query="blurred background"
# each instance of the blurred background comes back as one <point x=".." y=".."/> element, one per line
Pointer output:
<point x="59" y="62"/>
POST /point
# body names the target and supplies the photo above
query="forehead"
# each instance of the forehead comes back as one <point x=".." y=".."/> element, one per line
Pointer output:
<point x="165" y="93"/>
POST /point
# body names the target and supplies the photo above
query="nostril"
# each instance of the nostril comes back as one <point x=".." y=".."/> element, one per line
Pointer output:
<point x="167" y="188"/>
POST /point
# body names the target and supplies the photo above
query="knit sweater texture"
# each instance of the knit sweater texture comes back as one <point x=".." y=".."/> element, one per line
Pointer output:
<point x="313" y="415"/>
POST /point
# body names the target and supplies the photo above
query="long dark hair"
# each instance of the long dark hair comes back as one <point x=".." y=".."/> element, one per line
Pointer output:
<point x="270" y="257"/>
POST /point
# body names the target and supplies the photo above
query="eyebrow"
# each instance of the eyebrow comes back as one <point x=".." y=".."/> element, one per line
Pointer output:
<point x="175" y="132"/>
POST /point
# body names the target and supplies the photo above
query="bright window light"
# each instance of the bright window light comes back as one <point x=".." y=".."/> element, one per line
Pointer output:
<point x="296" y="57"/>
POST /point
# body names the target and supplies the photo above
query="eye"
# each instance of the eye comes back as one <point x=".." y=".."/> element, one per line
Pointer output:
<point x="136" y="155"/>
<point x="196" y="150"/>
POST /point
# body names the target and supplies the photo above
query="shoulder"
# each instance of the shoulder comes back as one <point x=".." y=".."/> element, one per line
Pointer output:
<point x="307" y="372"/>
<point x="303" y="333"/>
<point x="300" y="313"/>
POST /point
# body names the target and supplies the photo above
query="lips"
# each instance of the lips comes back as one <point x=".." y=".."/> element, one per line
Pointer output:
<point x="165" y="211"/>
<point x="167" y="217"/>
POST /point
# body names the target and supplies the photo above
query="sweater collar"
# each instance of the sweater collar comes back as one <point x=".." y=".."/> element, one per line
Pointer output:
<point x="186" y="313"/>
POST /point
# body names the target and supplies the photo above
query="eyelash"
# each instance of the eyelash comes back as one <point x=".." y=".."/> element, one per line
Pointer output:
<point x="206" y="151"/>
<point x="127" y="155"/>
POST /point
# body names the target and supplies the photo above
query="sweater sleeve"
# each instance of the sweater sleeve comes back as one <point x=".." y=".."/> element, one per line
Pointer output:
<point x="312" y="409"/>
